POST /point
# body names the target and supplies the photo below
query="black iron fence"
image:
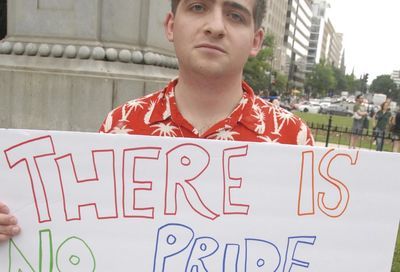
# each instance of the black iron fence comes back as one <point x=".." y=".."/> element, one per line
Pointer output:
<point x="336" y="136"/>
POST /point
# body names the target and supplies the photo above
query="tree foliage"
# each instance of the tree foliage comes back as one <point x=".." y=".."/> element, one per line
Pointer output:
<point x="280" y="83"/>
<point x="321" y="79"/>
<point x="341" y="82"/>
<point x="384" y="84"/>
<point x="352" y="84"/>
<point x="257" y="70"/>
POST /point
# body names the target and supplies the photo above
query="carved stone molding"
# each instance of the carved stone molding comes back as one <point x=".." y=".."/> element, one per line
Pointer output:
<point x="88" y="52"/>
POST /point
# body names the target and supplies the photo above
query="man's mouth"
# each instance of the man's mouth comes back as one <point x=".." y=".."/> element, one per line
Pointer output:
<point x="211" y="47"/>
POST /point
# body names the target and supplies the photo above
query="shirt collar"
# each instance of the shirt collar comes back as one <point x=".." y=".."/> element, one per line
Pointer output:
<point x="243" y="113"/>
<point x="250" y="114"/>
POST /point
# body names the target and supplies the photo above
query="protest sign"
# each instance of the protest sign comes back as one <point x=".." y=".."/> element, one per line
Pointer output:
<point x="95" y="202"/>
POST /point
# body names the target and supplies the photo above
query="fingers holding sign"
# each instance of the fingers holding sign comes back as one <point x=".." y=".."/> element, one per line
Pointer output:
<point x="8" y="223"/>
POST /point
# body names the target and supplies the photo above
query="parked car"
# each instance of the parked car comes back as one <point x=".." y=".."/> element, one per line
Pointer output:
<point x="324" y="104"/>
<point x="337" y="109"/>
<point x="351" y="99"/>
<point x="310" y="107"/>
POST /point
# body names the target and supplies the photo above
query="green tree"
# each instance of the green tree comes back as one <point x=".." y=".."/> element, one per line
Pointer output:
<point x="280" y="82"/>
<point x="384" y="84"/>
<point x="352" y="84"/>
<point x="341" y="82"/>
<point x="363" y="83"/>
<point x="321" y="79"/>
<point x="257" y="71"/>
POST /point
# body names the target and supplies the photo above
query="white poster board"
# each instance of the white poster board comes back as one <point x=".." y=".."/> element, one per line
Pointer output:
<point x="93" y="202"/>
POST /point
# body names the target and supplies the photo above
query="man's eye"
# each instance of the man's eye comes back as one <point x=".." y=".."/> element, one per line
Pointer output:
<point x="236" y="17"/>
<point x="197" y="8"/>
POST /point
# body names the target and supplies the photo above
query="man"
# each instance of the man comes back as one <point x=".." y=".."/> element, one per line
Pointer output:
<point x="381" y="120"/>
<point x="359" y="117"/>
<point x="212" y="39"/>
<point x="395" y="129"/>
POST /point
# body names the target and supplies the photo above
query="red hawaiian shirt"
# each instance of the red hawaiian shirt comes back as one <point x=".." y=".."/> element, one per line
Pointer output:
<point x="252" y="120"/>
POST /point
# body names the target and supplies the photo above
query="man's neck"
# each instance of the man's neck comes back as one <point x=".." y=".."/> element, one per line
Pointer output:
<point x="205" y="101"/>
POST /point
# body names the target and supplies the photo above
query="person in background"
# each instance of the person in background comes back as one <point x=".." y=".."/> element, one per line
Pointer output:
<point x="381" y="120"/>
<point x="263" y="94"/>
<point x="395" y="129"/>
<point x="359" y="115"/>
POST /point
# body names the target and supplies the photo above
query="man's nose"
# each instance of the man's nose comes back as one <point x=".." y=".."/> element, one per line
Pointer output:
<point x="215" y="25"/>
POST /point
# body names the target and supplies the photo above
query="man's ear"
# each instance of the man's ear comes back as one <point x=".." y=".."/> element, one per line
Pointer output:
<point x="169" y="26"/>
<point x="257" y="42"/>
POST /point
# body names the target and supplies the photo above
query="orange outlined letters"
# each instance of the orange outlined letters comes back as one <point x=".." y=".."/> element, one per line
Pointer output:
<point x="306" y="198"/>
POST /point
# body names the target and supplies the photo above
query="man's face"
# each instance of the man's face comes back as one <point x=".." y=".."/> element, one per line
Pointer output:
<point x="213" y="37"/>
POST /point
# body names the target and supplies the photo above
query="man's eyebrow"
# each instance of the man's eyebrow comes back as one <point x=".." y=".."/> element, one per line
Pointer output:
<point x="238" y="6"/>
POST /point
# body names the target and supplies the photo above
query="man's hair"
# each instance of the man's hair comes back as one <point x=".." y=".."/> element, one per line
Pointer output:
<point x="258" y="11"/>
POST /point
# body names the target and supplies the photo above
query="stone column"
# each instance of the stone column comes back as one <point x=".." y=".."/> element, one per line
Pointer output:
<point x="65" y="63"/>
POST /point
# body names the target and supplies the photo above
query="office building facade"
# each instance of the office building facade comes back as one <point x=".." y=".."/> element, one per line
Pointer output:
<point x="325" y="43"/>
<point x="396" y="77"/>
<point x="275" y="22"/>
<point x="296" y="39"/>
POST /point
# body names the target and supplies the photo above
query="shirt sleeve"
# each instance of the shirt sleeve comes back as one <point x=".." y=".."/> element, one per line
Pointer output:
<point x="111" y="121"/>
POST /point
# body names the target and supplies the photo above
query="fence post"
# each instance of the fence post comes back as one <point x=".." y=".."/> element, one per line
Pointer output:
<point x="329" y="130"/>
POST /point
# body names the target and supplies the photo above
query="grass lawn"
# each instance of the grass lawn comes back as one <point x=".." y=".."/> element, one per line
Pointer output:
<point x="366" y="142"/>
<point x="396" y="258"/>
<point x="342" y="123"/>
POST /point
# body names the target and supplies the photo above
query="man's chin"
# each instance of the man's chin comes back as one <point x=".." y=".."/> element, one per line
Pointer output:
<point x="212" y="70"/>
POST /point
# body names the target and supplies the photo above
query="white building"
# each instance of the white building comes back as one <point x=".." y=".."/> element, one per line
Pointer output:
<point x="325" y="42"/>
<point x="297" y="35"/>
<point x="275" y="21"/>
<point x="396" y="77"/>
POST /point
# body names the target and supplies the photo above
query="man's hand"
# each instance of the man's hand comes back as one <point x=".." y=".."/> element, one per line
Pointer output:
<point x="8" y="224"/>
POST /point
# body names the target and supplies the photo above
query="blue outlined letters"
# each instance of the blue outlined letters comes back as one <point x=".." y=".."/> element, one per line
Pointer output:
<point x="177" y="249"/>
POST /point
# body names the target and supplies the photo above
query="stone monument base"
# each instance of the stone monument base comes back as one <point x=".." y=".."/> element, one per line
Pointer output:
<point x="70" y="94"/>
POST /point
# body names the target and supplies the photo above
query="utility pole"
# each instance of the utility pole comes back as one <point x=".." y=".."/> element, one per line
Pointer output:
<point x="364" y="83"/>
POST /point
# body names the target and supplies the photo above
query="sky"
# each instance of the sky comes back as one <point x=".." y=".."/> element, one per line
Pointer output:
<point x="371" y="35"/>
